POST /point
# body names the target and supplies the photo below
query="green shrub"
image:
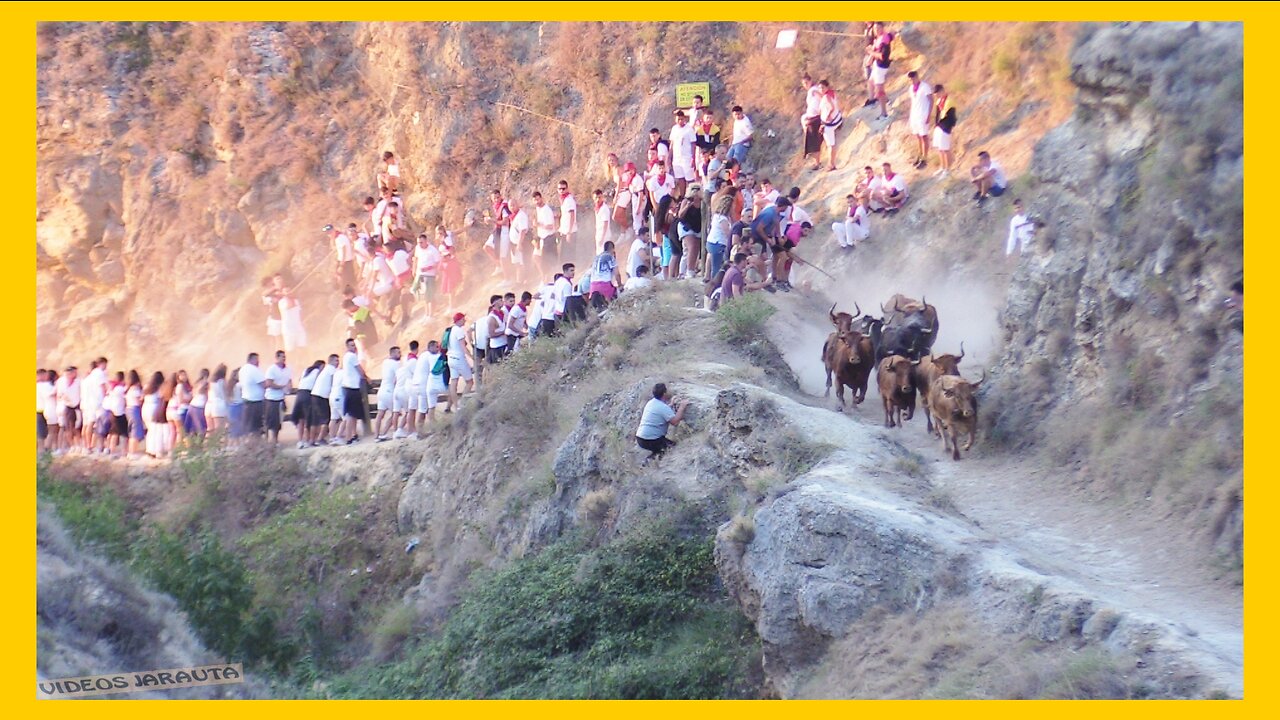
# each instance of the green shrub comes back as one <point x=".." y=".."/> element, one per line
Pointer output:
<point x="642" y="617"/>
<point x="96" y="517"/>
<point x="742" y="319"/>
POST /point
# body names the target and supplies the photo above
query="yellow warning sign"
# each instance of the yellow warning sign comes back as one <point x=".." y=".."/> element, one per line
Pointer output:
<point x="686" y="91"/>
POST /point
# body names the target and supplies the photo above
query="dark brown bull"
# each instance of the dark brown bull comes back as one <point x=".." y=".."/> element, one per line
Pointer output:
<point x="931" y="368"/>
<point x="849" y="356"/>
<point x="953" y="402"/>
<point x="896" y="389"/>
<point x="910" y="328"/>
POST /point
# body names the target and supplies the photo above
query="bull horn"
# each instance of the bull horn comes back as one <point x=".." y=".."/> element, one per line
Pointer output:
<point x="832" y="313"/>
<point x="961" y="352"/>
<point x="926" y="331"/>
<point x="984" y="379"/>
<point x="924" y="302"/>
<point x="856" y="310"/>
<point x="882" y="310"/>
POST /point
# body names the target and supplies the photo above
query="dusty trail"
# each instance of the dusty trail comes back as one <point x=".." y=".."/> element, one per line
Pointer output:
<point x="1032" y="513"/>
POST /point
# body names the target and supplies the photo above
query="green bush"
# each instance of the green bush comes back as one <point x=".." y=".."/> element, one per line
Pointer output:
<point x="640" y="618"/>
<point x="95" y="516"/>
<point x="742" y="318"/>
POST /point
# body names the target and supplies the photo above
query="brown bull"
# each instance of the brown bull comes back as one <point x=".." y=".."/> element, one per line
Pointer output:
<point x="896" y="389"/>
<point x="843" y="321"/>
<point x="953" y="402"/>
<point x="931" y="368"/>
<point x="849" y="356"/>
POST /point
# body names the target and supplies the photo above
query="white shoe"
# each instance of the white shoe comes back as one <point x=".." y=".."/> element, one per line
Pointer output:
<point x="302" y="446"/>
<point x="336" y="441"/>
<point x="399" y="435"/>
<point x="941" y="173"/>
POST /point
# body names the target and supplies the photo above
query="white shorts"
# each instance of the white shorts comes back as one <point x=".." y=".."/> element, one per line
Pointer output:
<point x="504" y="248"/>
<point x="400" y="401"/>
<point x="385" y="401"/>
<point x="383" y="287"/>
<point x="941" y="139"/>
<point x="829" y="135"/>
<point x="878" y="74"/>
<point x="335" y="408"/>
<point x="682" y="171"/>
<point x="273" y="327"/>
<point x="458" y="368"/>
<point x="919" y="126"/>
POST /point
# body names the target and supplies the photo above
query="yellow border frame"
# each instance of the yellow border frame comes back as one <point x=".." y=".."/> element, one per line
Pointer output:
<point x="1260" y="25"/>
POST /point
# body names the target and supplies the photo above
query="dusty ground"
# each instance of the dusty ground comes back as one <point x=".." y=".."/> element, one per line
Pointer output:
<point x="1040" y="522"/>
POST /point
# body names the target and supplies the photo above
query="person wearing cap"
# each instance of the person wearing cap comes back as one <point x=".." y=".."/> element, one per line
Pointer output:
<point x="457" y="354"/>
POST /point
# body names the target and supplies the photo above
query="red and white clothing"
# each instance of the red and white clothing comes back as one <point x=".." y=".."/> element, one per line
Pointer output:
<point x="604" y="219"/>
<point x="568" y="215"/>
<point x="682" y="140"/>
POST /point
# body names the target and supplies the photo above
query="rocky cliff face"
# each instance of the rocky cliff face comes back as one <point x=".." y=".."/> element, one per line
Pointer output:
<point x="1116" y="324"/>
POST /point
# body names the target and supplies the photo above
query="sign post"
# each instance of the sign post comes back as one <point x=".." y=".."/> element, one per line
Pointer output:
<point x="686" y="91"/>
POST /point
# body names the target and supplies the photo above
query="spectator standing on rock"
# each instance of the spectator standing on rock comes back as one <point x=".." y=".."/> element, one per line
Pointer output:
<point x="1021" y="230"/>
<point x="603" y="215"/>
<point x="832" y="120"/>
<point x="811" y="120"/>
<point x="879" y="52"/>
<point x="988" y="177"/>
<point x="918" y="121"/>
<point x="427" y="263"/>
<point x="656" y="418"/>
<point x="353" y="380"/>
<point x="252" y="389"/>
<point x="457" y="356"/>
<point x="743" y="131"/>
<point x="944" y="121"/>
<point x="344" y="252"/>
<point x="568" y="221"/>
<point x="278" y="380"/>
<point x="683" y="149"/>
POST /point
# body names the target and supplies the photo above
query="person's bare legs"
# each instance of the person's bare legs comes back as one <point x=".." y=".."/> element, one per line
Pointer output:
<point x="832" y="164"/>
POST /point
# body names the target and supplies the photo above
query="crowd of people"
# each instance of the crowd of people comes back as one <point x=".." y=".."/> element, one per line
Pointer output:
<point x="692" y="207"/>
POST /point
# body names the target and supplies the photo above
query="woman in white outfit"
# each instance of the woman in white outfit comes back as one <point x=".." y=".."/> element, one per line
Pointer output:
<point x="217" y="407"/>
<point x="295" y="335"/>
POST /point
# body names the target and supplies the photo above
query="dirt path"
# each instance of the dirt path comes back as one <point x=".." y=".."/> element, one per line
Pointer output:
<point x="1119" y="556"/>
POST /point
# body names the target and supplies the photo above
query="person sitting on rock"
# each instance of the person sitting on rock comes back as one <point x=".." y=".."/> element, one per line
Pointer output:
<point x="988" y="178"/>
<point x="889" y="191"/>
<point x="651" y="435"/>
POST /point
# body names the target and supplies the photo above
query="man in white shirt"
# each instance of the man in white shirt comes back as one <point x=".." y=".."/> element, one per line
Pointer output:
<point x="569" y="303"/>
<point x="321" y="406"/>
<point x="889" y="191"/>
<point x="662" y="149"/>
<point x="353" y="400"/>
<point x="67" y="394"/>
<point x="519" y="234"/>
<point x="682" y="139"/>
<point x="988" y="178"/>
<point x="278" y="379"/>
<point x="855" y="227"/>
<point x="518" y="322"/>
<point x="93" y="391"/>
<point x="638" y="256"/>
<point x="1022" y="230"/>
<point x="387" y="394"/>
<point x="434" y="386"/>
<point x="918" y="120"/>
<point x="548" y="302"/>
<point x="458" y="354"/>
<point x="742" y="132"/>
<point x="568" y="221"/>
<point x="545" y="222"/>
<point x="253" y="390"/>
<point x="639" y="281"/>
<point x="426" y="260"/>
<point x="604" y="217"/>
<point x="405" y="401"/>
<point x="344" y="250"/>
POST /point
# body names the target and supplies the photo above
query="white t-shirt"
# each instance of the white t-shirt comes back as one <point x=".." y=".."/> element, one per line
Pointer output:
<point x="742" y="129"/>
<point x="998" y="177"/>
<point x="635" y="259"/>
<point x="422" y="368"/>
<point x="813" y="101"/>
<point x="604" y="213"/>
<point x="568" y="222"/>
<point x="279" y="375"/>
<point x="564" y="288"/>
<point x="1019" y="237"/>
<point x="654" y="420"/>
<point x="517" y="321"/>
<point x="719" y="230"/>
<point x="426" y="260"/>
<point x="251" y="379"/>
<point x="637" y="283"/>
<point x="324" y="381"/>
<point x="399" y="262"/>
<point x="114" y="401"/>
<point x="404" y="374"/>
<point x="920" y="102"/>
<point x="457" y="340"/>
<point x="546" y="219"/>
<point x="682" y="144"/>
<point x="603" y="267"/>
<point x="799" y="215"/>
<point x="661" y="186"/>
<point x="861" y="223"/>
<point x="308" y="381"/>
<point x="342" y="245"/>
<point x="519" y="224"/>
<point x="94" y="391"/>
<point x="899" y="183"/>
<point x="498" y="338"/>
<point x="390" y="370"/>
<point x="549" y="301"/>
<point x="351" y="371"/>
<point x="432" y="381"/>
<point x="482" y="332"/>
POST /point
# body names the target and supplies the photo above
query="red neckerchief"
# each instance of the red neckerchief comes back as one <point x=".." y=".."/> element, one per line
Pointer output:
<point x="523" y="306"/>
<point x="890" y="176"/>
<point x="662" y="178"/>
<point x="599" y="203"/>
<point x="564" y="195"/>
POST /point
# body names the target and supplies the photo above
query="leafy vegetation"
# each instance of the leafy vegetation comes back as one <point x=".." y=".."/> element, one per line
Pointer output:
<point x="742" y="319"/>
<point x="642" y="617"/>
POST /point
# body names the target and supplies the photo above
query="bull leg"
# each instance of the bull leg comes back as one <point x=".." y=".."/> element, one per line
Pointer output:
<point x="911" y="408"/>
<point x="828" y="392"/>
<point x="943" y="431"/>
<point x="888" y="413"/>
<point x="839" y="395"/>
<point x="955" y="443"/>
<point x="928" y="419"/>
<point x="973" y="429"/>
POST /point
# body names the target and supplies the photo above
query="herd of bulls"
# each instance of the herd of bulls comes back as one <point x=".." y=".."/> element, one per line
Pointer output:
<point x="899" y="346"/>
